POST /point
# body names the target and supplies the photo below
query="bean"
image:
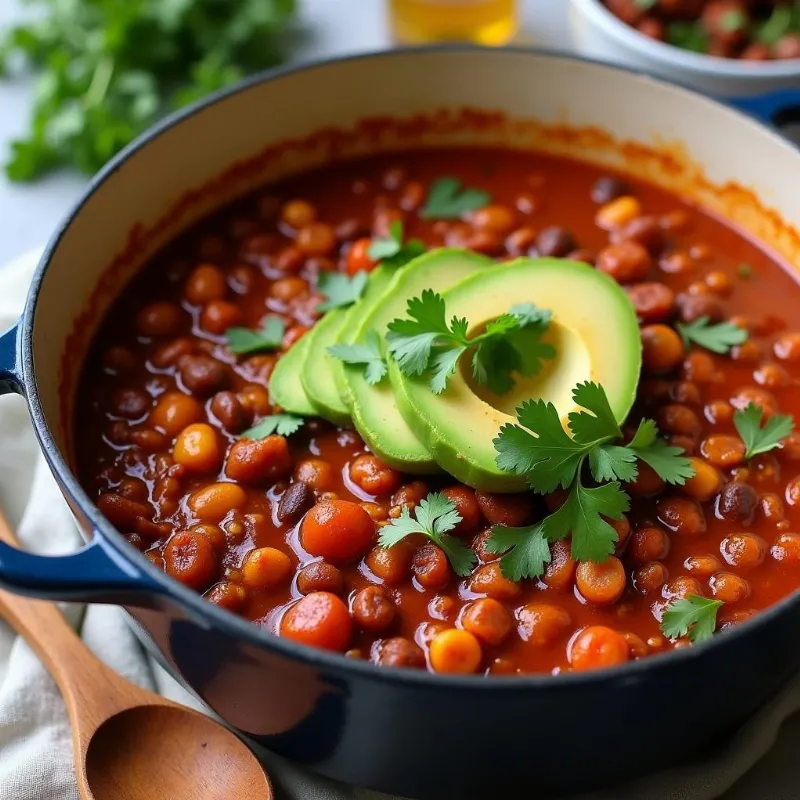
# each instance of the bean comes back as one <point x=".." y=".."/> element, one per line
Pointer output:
<point x="560" y="572"/>
<point x="618" y="212"/>
<point x="400" y="652"/>
<point x="682" y="515"/>
<point x="213" y="502"/>
<point x="728" y="587"/>
<point x="463" y="498"/>
<point x="743" y="550"/>
<point x="266" y="568"/>
<point x="392" y="565"/>
<point x="786" y="548"/>
<point x="488" y="620"/>
<point x="737" y="502"/>
<point x="653" y="301"/>
<point x="120" y="511"/>
<point x="259" y="460"/>
<point x="608" y="188"/>
<point x="649" y="578"/>
<point x="554" y="241"/>
<point x="373" y="609"/>
<point x="601" y="584"/>
<point x="597" y="647"/>
<point x="430" y="566"/>
<point x="202" y="375"/>
<point x="705" y="482"/>
<point x="294" y="502"/>
<point x="723" y="451"/>
<point x="159" y="320"/>
<point x="489" y="580"/>
<point x="190" y="558"/>
<point x="228" y="410"/>
<point x="205" y="283"/>
<point x="625" y="262"/>
<point x="456" y="652"/>
<point x="373" y="476"/>
<point x="319" y="576"/>
<point x="315" y="474"/>
<point x="541" y="624"/>
<point x="512" y="510"/>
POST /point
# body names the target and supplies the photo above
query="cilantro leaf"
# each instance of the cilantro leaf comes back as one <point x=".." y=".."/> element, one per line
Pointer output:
<point x="668" y="461"/>
<point x="411" y="340"/>
<point x="600" y="424"/>
<point x="340" y="290"/>
<point x="692" y="616"/>
<point x="368" y="355"/>
<point x="444" y="365"/>
<point x="391" y="251"/>
<point x="282" y="424"/>
<point x="435" y="515"/>
<point x="593" y="539"/>
<point x="610" y="462"/>
<point x="448" y="199"/>
<point x="245" y="340"/>
<point x="757" y="440"/>
<point x="527" y="551"/>
<point x="645" y="434"/>
<point x="719" y="338"/>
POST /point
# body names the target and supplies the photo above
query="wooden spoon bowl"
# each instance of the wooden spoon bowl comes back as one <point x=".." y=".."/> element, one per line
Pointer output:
<point x="131" y="744"/>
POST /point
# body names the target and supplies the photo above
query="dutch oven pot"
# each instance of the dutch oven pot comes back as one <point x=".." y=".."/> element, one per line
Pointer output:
<point x="402" y="731"/>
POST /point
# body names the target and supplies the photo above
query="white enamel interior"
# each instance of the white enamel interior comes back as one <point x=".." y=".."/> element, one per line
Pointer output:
<point x="599" y="34"/>
<point x="524" y="85"/>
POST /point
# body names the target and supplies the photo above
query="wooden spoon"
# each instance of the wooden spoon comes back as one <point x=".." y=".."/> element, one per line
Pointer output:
<point x="131" y="744"/>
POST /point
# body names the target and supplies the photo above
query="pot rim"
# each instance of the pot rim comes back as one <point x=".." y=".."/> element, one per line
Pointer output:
<point x="192" y="602"/>
<point x="668" y="55"/>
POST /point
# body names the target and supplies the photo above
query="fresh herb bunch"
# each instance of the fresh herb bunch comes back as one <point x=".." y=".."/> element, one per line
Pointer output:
<point x="108" y="69"/>
<point x="544" y="452"/>
<point x="427" y="343"/>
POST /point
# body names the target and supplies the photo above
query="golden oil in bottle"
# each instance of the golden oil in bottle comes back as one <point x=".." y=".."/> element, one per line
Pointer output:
<point x="487" y="22"/>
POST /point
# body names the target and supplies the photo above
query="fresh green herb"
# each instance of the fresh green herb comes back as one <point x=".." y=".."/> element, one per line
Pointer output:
<point x="391" y="252"/>
<point x="107" y="70"/>
<point x="688" y="36"/>
<point x="540" y="449"/>
<point x="435" y="515"/>
<point x="282" y="424"/>
<point x="244" y="340"/>
<point x="692" y="616"/>
<point x="645" y="5"/>
<point x="340" y="290"/>
<point x="367" y="355"/>
<point x="733" y="20"/>
<point x="775" y="26"/>
<point x="745" y="271"/>
<point x="448" y="199"/>
<point x="719" y="338"/>
<point x="510" y="343"/>
<point x="756" y="439"/>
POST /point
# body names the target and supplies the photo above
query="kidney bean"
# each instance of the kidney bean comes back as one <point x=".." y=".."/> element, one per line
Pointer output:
<point x="294" y="502"/>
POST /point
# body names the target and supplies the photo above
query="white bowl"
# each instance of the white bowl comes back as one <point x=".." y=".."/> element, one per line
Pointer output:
<point x="599" y="34"/>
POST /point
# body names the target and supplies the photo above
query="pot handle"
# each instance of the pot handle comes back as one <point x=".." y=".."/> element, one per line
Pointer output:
<point x="94" y="573"/>
<point x="773" y="108"/>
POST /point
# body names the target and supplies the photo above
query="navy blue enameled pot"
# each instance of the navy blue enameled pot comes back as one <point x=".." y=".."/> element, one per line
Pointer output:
<point x="411" y="733"/>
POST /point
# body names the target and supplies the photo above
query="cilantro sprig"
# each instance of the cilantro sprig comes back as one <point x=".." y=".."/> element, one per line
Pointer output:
<point x="367" y="354"/>
<point x="540" y="449"/>
<point x="719" y="338"/>
<point x="391" y="251"/>
<point x="433" y="517"/>
<point x="694" y="617"/>
<point x="282" y="424"/>
<point x="758" y="439"/>
<point x="427" y="343"/>
<point x="244" y="340"/>
<point x="340" y="290"/>
<point x="449" y="199"/>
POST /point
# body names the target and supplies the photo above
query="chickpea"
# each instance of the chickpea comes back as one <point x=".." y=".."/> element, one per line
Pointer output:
<point x="455" y="651"/>
<point x="647" y="544"/>
<point x="251" y="461"/>
<point x="675" y="418"/>
<point x="787" y="347"/>
<point x="705" y="482"/>
<point x="649" y="578"/>
<point x="315" y="473"/>
<point x="662" y="349"/>
<point x="372" y="608"/>
<point x="560" y="572"/>
<point x="723" y="451"/>
<point x="683" y="516"/>
<point x="228" y="595"/>
<point x="266" y="568"/>
<point x="758" y="397"/>
<point x="700" y="368"/>
<point x="490" y="581"/>
<point x="747" y="352"/>
<point x="399" y="652"/>
<point x="197" y="448"/>
<point x="743" y="550"/>
<point x="410" y="494"/>
<point x="771" y="376"/>
<point x="676" y="221"/>
<point x="728" y="587"/>
<point x="487" y="620"/>
<point x="786" y="548"/>
<point x="683" y="586"/>
<point x="467" y="507"/>
<point x="371" y="475"/>
<point x="772" y="508"/>
<point x="647" y="482"/>
<point x="719" y="283"/>
<point x="719" y="412"/>
<point x="512" y="510"/>
<point x="601" y="584"/>
<point x="541" y="624"/>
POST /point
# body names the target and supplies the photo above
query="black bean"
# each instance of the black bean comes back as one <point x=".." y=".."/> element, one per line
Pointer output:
<point x="609" y="188"/>
<point x="555" y="241"/>
<point x="294" y="501"/>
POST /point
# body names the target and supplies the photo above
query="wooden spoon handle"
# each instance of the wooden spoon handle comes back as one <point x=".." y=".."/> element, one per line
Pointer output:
<point x="74" y="668"/>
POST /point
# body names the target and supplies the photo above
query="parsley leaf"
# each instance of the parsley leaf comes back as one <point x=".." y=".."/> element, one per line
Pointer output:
<point x="435" y="515"/>
<point x="367" y="354"/>
<point x="427" y="342"/>
<point x="718" y="338"/>
<point x="282" y="424"/>
<point x="593" y="539"/>
<point x="391" y="251"/>
<point x="340" y="290"/>
<point x="245" y="340"/>
<point x="448" y="199"/>
<point x="530" y="550"/>
<point x="756" y="439"/>
<point x="692" y="616"/>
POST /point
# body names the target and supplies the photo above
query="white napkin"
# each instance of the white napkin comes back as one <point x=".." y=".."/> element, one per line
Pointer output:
<point x="35" y="742"/>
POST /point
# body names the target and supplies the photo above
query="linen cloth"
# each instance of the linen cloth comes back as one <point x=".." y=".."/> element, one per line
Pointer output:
<point x="35" y="740"/>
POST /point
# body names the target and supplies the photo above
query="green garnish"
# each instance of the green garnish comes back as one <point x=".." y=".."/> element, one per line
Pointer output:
<point x="106" y="71"/>
<point x="510" y="343"/>
<point x="645" y="5"/>
<point x="757" y="440"/>
<point x="733" y="20"/>
<point x="340" y="290"/>
<point x="745" y="271"/>
<point x="775" y="26"/>
<point x="540" y="449"/>
<point x="282" y="424"/>
<point x="391" y="252"/>
<point x="692" y="616"/>
<point x="719" y="338"/>
<point x="367" y="355"/>
<point x="435" y="515"/>
<point x="688" y="36"/>
<point x="448" y="199"/>
<point x="245" y="340"/>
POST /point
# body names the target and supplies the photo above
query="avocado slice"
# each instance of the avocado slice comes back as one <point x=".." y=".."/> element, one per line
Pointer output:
<point x="596" y="335"/>
<point x="316" y="372"/>
<point x="321" y="375"/>
<point x="374" y="408"/>
<point x="285" y="388"/>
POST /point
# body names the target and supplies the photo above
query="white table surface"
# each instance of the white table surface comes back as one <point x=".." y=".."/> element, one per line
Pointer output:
<point x="29" y="213"/>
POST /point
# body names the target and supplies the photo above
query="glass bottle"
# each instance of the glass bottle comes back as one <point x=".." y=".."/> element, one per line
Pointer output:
<point x="487" y="22"/>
